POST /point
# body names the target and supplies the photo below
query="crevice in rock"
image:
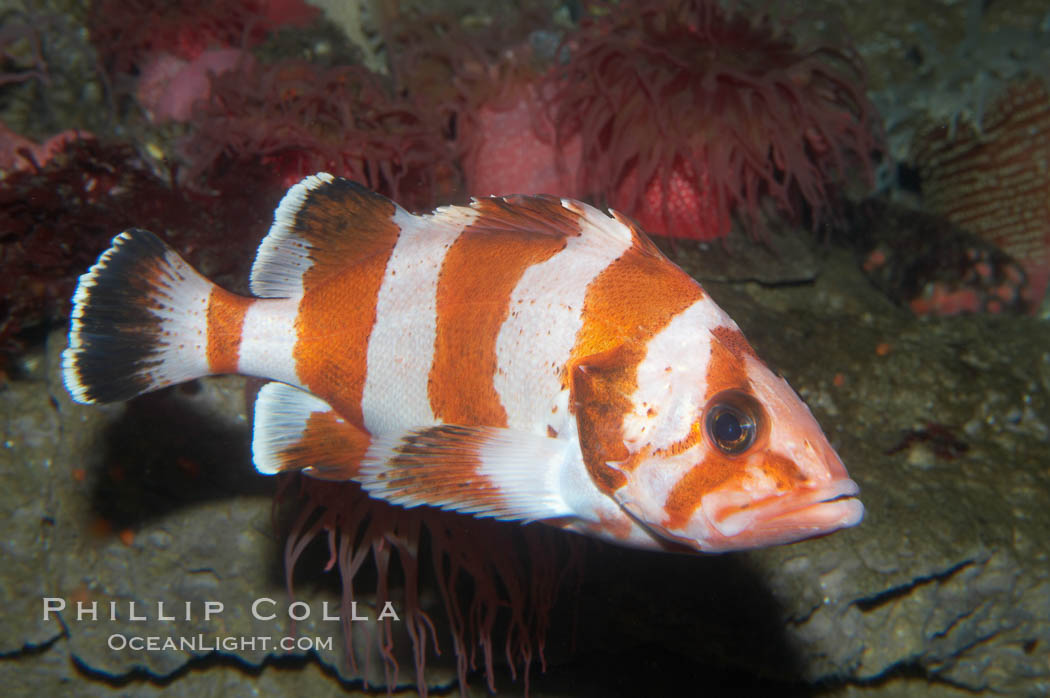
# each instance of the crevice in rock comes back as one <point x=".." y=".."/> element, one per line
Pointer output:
<point x="870" y="603"/>
<point x="214" y="660"/>
<point x="911" y="668"/>
<point x="30" y="649"/>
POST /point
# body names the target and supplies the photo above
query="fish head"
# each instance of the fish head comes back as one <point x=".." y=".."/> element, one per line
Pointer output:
<point x="718" y="453"/>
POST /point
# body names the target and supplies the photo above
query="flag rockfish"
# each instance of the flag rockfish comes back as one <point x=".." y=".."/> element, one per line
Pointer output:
<point x="526" y="358"/>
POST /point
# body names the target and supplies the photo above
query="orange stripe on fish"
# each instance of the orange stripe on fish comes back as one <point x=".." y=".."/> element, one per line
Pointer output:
<point x="724" y="369"/>
<point x="523" y="358"/>
<point x="337" y="310"/>
<point x="480" y="272"/>
<point x="633" y="298"/>
<point x="225" y="319"/>
<point x="685" y="497"/>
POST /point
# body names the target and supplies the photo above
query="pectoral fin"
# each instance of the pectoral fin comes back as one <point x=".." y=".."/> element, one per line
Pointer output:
<point x="484" y="471"/>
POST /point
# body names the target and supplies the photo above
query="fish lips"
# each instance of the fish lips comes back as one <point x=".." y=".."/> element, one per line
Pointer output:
<point x="788" y="517"/>
<point x="743" y="525"/>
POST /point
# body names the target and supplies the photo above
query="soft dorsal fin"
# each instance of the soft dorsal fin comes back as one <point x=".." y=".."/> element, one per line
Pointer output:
<point x="295" y="430"/>
<point x="322" y="225"/>
<point x="484" y="471"/>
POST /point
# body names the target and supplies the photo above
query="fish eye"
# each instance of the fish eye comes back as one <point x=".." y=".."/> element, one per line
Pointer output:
<point x="732" y="421"/>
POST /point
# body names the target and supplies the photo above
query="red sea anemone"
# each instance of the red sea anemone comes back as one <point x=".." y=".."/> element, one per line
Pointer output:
<point x="495" y="579"/>
<point x="688" y="111"/>
<point x="128" y="31"/>
<point x="294" y="119"/>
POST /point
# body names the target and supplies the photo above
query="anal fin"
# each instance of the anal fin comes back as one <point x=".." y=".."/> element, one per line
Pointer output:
<point x="484" y="471"/>
<point x="295" y="430"/>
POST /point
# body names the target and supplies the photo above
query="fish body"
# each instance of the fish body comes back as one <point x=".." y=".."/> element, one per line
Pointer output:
<point x="524" y="358"/>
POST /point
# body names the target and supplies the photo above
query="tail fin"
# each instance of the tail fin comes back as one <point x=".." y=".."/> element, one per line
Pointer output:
<point x="139" y="322"/>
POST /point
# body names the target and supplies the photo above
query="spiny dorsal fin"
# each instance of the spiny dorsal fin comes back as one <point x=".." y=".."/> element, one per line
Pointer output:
<point x="295" y="430"/>
<point x="321" y="227"/>
<point x="325" y="224"/>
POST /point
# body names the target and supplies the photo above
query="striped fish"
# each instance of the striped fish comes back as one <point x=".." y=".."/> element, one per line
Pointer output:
<point x="526" y="358"/>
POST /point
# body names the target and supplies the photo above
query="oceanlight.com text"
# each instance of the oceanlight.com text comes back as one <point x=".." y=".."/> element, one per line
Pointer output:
<point x="119" y="642"/>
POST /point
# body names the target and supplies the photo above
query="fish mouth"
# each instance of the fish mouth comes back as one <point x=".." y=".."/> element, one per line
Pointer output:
<point x="787" y="518"/>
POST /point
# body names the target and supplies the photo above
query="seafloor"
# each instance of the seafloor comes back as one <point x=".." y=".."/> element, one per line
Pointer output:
<point x="943" y="590"/>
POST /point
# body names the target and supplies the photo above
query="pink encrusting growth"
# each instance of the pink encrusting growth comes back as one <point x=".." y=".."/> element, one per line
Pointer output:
<point x="19" y="154"/>
<point x="514" y="148"/>
<point x="689" y="112"/>
<point x="190" y="62"/>
<point x="172" y="50"/>
<point x="169" y="86"/>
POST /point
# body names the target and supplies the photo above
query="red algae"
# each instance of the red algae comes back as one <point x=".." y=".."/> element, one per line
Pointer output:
<point x="53" y="217"/>
<point x="58" y="215"/>
<point x="689" y="112"/>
